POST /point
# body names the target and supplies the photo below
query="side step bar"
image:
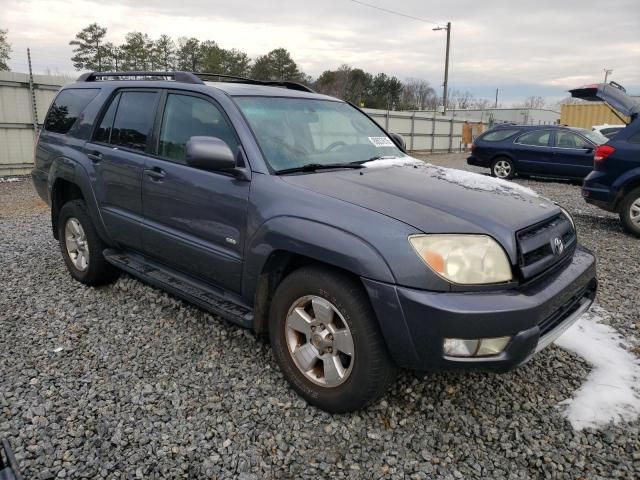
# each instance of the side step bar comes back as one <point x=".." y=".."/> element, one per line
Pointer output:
<point x="205" y="296"/>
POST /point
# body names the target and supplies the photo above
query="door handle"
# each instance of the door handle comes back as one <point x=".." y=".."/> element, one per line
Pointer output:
<point x="95" y="157"/>
<point x="156" y="173"/>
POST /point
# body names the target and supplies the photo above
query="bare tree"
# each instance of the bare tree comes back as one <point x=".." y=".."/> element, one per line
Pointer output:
<point x="416" y="94"/>
<point x="534" y="102"/>
<point x="5" y="50"/>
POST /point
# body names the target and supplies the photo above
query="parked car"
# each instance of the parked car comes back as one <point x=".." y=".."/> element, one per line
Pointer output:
<point x="607" y="130"/>
<point x="614" y="184"/>
<point x="296" y="215"/>
<point x="541" y="150"/>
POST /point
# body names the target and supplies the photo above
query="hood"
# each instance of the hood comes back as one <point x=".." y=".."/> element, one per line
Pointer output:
<point x="435" y="199"/>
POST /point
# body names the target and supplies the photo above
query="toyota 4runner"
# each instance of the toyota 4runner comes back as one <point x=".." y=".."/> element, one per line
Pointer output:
<point x="296" y="215"/>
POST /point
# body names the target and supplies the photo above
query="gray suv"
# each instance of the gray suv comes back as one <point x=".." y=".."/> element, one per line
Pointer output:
<point x="295" y="215"/>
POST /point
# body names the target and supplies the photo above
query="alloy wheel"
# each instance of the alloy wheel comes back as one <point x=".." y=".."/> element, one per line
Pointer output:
<point x="76" y="244"/>
<point x="320" y="341"/>
<point x="502" y="169"/>
<point x="634" y="211"/>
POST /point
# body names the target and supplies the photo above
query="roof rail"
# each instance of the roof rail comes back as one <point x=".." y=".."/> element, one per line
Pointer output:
<point x="270" y="83"/>
<point x="183" y="77"/>
<point x="190" y="77"/>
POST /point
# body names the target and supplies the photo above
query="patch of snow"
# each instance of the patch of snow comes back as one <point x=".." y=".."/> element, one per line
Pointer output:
<point x="611" y="393"/>
<point x="393" y="162"/>
<point x="9" y="179"/>
<point x="477" y="181"/>
<point x="474" y="181"/>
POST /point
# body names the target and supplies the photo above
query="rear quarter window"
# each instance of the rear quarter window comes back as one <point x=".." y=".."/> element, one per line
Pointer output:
<point x="67" y="107"/>
<point x="498" y="135"/>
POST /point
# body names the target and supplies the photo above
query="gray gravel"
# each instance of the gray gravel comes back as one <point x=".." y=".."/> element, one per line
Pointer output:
<point x="126" y="381"/>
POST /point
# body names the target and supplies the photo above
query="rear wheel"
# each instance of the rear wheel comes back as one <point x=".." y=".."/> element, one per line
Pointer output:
<point x="326" y="340"/>
<point x="82" y="247"/>
<point x="630" y="212"/>
<point x="503" y="167"/>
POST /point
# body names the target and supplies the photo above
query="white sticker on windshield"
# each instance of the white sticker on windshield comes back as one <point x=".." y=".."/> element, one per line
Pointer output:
<point x="381" y="141"/>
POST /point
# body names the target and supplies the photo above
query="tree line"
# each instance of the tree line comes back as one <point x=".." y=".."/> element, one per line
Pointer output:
<point x="139" y="52"/>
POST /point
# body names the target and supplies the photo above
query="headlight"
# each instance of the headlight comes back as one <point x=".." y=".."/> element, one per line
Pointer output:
<point x="568" y="215"/>
<point x="464" y="259"/>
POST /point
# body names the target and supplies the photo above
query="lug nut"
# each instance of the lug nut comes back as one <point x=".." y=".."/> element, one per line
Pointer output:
<point x="330" y="350"/>
<point x="330" y="337"/>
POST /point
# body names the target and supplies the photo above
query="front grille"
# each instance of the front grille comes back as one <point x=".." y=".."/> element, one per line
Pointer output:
<point x="565" y="310"/>
<point x="536" y="245"/>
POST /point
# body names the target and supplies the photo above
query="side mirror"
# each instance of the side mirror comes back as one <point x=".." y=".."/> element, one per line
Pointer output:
<point x="399" y="140"/>
<point x="209" y="153"/>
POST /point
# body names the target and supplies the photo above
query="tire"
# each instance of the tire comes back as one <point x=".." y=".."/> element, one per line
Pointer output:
<point x="630" y="212"/>
<point x="367" y="372"/>
<point x="503" y="167"/>
<point x="79" y="240"/>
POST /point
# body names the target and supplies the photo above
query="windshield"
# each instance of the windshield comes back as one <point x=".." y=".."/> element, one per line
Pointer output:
<point x="294" y="132"/>
<point x="593" y="135"/>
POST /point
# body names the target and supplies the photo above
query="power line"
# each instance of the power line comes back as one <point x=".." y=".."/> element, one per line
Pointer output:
<point x="393" y="12"/>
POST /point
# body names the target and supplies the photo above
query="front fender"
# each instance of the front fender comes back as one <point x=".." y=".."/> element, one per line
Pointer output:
<point x="322" y="242"/>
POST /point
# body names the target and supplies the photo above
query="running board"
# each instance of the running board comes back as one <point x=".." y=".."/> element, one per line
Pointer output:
<point x="210" y="298"/>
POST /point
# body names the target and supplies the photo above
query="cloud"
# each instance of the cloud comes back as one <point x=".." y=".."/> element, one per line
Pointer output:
<point x="494" y="44"/>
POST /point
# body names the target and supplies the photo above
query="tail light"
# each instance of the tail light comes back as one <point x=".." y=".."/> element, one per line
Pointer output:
<point x="473" y="147"/>
<point x="602" y="152"/>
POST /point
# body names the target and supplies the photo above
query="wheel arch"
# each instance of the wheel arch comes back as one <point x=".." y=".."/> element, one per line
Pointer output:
<point x="290" y="243"/>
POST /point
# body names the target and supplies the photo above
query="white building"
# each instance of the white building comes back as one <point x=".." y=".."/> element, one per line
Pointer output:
<point x="521" y="116"/>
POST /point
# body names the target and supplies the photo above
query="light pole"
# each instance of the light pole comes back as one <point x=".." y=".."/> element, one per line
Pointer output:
<point x="607" y="72"/>
<point x="446" y="67"/>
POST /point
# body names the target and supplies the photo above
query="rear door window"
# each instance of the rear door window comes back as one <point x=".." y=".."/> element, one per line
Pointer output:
<point x="498" y="135"/>
<point x="103" y="133"/>
<point x="67" y="107"/>
<point x="570" y="140"/>
<point x="536" y="138"/>
<point x="133" y="120"/>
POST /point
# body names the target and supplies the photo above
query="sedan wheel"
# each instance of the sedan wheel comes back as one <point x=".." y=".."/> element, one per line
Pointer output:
<point x="503" y="169"/>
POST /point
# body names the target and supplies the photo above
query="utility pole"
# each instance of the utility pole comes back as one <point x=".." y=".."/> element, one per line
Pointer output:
<point x="496" y="104"/>
<point x="607" y="72"/>
<point x="446" y="66"/>
<point x="32" y="91"/>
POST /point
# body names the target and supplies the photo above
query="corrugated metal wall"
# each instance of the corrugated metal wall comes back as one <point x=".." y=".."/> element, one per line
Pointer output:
<point x="421" y="130"/>
<point x="586" y="115"/>
<point x="16" y="117"/>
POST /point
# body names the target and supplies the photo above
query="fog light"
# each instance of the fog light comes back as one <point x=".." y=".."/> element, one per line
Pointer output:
<point x="460" y="347"/>
<point x="480" y="347"/>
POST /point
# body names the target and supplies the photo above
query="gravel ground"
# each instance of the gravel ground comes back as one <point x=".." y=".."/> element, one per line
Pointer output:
<point x="126" y="381"/>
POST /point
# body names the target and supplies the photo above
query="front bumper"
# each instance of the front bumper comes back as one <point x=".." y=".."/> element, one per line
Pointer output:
<point x="415" y="322"/>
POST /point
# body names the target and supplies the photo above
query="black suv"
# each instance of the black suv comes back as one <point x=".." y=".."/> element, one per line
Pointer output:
<point x="296" y="215"/>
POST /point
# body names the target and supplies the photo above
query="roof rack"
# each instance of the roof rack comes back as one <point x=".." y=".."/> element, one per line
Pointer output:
<point x="189" y="77"/>
<point x="183" y="77"/>
<point x="270" y="83"/>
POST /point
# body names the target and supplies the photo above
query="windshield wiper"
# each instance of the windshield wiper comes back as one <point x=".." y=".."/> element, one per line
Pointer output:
<point x="312" y="167"/>
<point x="378" y="157"/>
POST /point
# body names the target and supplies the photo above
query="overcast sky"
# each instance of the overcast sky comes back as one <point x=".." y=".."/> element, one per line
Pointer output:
<point x="540" y="47"/>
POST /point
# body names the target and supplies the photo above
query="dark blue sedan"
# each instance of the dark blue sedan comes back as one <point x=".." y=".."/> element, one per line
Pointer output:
<point x="541" y="150"/>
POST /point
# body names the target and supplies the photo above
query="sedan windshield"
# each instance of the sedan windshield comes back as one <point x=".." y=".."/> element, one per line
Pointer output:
<point x="593" y="135"/>
<point x="294" y="133"/>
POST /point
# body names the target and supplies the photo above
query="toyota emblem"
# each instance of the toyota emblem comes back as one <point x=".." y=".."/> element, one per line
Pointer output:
<point x="557" y="246"/>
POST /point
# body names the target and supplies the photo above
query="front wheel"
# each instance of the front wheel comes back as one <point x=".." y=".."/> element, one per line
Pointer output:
<point x="326" y="341"/>
<point x="503" y="168"/>
<point x="630" y="212"/>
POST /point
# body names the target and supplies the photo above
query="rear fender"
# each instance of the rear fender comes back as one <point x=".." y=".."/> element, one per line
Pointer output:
<point x="64" y="168"/>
